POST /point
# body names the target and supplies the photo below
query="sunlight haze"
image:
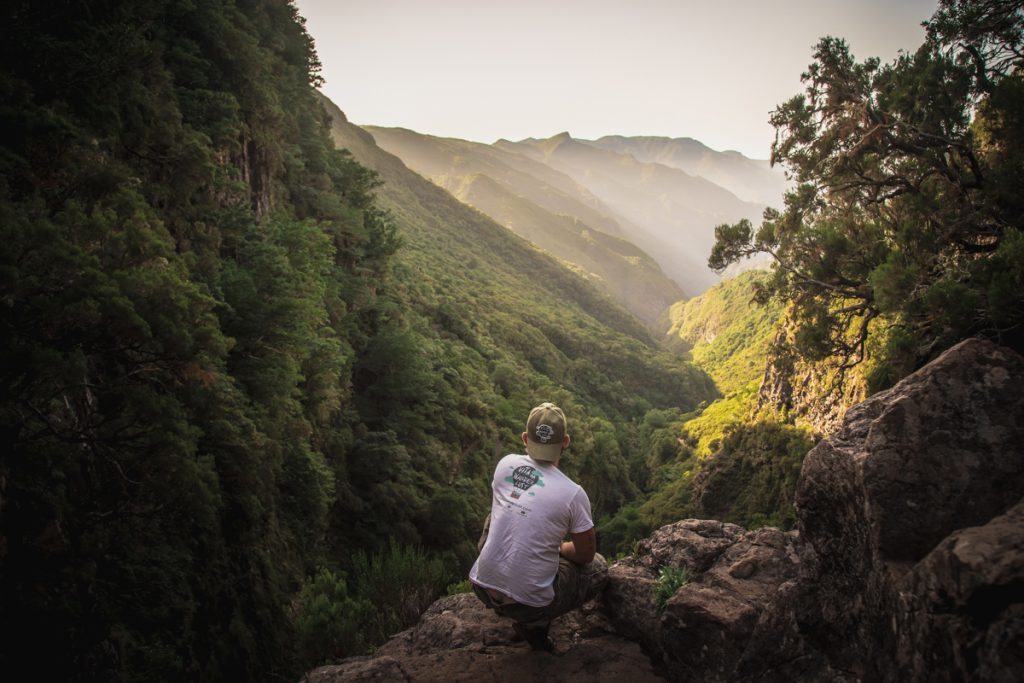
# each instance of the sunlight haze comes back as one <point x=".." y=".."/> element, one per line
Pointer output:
<point x="487" y="70"/>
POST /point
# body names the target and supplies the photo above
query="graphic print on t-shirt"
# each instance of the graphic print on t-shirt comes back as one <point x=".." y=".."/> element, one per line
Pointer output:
<point x="523" y="479"/>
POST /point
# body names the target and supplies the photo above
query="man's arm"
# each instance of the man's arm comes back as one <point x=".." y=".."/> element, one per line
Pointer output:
<point x="581" y="548"/>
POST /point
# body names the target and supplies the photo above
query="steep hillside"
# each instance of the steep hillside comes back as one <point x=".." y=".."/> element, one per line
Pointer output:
<point x="248" y="415"/>
<point x="517" y="316"/>
<point x="733" y="459"/>
<point x="674" y="213"/>
<point x="544" y="206"/>
<point x="752" y="180"/>
<point x="445" y="160"/>
<point x="728" y="332"/>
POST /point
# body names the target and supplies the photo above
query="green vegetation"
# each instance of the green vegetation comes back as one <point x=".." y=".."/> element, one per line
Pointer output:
<point x="249" y="416"/>
<point x="670" y="579"/>
<point x="903" y="235"/>
<point x="728" y="333"/>
<point x="726" y="460"/>
<point x="250" y="408"/>
<point x="338" y="616"/>
<point x="751" y="478"/>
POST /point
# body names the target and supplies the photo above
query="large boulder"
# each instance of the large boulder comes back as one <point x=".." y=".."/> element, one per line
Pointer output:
<point x="941" y="451"/>
<point x="717" y="626"/>
<point x="458" y="639"/>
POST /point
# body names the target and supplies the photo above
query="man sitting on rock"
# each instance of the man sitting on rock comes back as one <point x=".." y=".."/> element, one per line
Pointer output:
<point x="525" y="571"/>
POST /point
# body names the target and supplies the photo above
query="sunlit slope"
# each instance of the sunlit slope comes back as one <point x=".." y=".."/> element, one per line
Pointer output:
<point x="728" y="333"/>
<point x="516" y="306"/>
<point x="626" y="272"/>
<point x="544" y="206"/>
<point x="676" y="213"/>
<point x="749" y="179"/>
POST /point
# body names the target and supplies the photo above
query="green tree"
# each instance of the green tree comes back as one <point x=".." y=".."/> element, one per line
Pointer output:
<point x="905" y="225"/>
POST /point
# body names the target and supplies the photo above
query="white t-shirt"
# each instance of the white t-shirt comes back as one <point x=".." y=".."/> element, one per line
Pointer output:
<point x="534" y="505"/>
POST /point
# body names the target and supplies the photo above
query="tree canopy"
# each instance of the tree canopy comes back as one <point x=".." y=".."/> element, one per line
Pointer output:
<point x="903" y="232"/>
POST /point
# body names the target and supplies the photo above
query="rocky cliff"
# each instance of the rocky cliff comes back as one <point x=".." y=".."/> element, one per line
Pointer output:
<point x="907" y="565"/>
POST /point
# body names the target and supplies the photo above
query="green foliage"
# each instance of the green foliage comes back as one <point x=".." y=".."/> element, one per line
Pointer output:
<point x="727" y="330"/>
<point x="751" y="478"/>
<point x="908" y="199"/>
<point x="458" y="587"/>
<point x="340" y="615"/>
<point x="329" y="620"/>
<point x="400" y="582"/>
<point x="670" y="579"/>
<point x="707" y="428"/>
<point x="224" y="364"/>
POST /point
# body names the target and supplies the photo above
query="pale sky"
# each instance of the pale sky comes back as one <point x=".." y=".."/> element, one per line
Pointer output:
<point x="488" y="69"/>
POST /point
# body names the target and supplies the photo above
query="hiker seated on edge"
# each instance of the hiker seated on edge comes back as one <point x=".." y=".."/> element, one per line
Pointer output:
<point x="525" y="571"/>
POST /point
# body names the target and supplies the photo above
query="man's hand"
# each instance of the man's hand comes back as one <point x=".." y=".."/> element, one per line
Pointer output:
<point x="582" y="547"/>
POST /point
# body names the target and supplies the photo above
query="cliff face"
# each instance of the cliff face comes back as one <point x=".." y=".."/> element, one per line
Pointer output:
<point x="812" y="393"/>
<point x="911" y="519"/>
<point x="908" y="564"/>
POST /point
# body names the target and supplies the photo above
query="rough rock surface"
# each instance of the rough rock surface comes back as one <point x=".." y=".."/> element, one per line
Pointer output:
<point x="458" y="639"/>
<point x="908" y="565"/>
<point x="942" y="450"/>
<point x="718" y="626"/>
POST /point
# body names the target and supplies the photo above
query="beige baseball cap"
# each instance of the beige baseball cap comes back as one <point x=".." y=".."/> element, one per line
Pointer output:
<point x="545" y="431"/>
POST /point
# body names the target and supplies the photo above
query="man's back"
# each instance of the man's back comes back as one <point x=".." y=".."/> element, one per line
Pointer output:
<point x="534" y="506"/>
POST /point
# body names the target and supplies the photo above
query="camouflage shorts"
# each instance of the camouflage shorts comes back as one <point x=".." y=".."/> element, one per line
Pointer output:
<point x="574" y="585"/>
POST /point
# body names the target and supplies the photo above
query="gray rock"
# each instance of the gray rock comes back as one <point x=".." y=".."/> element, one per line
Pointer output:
<point x="961" y="611"/>
<point x="705" y="630"/>
<point x="940" y="451"/>
<point x="458" y="639"/>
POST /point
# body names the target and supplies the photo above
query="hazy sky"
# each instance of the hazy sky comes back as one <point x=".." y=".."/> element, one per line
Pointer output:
<point x="488" y="69"/>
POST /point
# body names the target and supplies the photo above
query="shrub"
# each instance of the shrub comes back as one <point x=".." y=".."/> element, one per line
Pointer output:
<point x="670" y="579"/>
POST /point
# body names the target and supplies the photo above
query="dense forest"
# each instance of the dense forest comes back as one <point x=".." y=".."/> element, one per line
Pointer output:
<point x="250" y="414"/>
<point x="251" y="389"/>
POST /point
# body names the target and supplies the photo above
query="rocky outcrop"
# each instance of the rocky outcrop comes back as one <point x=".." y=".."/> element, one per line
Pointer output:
<point x="458" y="639"/>
<point x="941" y="451"/>
<point x="720" y="626"/>
<point x="908" y="565"/>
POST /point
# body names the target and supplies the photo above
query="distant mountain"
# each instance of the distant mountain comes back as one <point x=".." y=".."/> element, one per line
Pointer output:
<point x="675" y="212"/>
<point x="544" y="206"/>
<point x="749" y="179"/>
<point x="516" y="312"/>
<point x="446" y="160"/>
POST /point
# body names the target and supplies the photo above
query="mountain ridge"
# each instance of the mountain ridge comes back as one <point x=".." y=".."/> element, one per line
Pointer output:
<point x="675" y="212"/>
<point x="546" y="207"/>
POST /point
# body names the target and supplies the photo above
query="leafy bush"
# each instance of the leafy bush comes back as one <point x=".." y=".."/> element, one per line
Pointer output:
<point x="340" y="615"/>
<point x="329" y="621"/>
<point x="751" y="478"/>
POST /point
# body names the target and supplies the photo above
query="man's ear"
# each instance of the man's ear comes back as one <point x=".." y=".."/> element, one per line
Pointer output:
<point x="524" y="438"/>
<point x="566" y="441"/>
